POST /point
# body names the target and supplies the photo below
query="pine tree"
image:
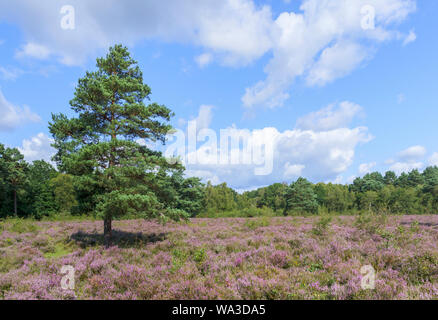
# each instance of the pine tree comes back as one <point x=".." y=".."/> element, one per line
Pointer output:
<point x="300" y="197"/>
<point x="40" y="196"/>
<point x="100" y="146"/>
<point x="13" y="172"/>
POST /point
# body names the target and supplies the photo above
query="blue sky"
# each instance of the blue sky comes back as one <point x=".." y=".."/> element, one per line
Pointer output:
<point x="339" y="99"/>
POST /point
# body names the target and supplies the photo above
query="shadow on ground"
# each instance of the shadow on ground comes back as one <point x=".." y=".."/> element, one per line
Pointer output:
<point x="119" y="238"/>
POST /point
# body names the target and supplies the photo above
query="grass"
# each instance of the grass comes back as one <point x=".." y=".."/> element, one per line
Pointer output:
<point x="58" y="250"/>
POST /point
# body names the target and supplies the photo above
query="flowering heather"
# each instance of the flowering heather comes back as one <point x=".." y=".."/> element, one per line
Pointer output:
<point x="262" y="258"/>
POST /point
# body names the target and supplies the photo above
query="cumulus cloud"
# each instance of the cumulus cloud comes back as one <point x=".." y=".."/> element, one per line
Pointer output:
<point x="408" y="159"/>
<point x="336" y="61"/>
<point x="433" y="159"/>
<point x="38" y="148"/>
<point x="203" y="120"/>
<point x="293" y="170"/>
<point x="331" y="117"/>
<point x="400" y="167"/>
<point x="319" y="45"/>
<point x="321" y="42"/>
<point x="412" y="154"/>
<point x="236" y="30"/>
<point x="365" y="168"/>
<point x="12" y="116"/>
<point x="34" y="50"/>
<point x="264" y="156"/>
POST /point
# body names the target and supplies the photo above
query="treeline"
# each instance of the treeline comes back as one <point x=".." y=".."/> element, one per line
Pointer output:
<point x="38" y="190"/>
<point x="409" y="193"/>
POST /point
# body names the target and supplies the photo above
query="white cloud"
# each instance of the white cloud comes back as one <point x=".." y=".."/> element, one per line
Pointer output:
<point x="205" y="115"/>
<point x="322" y="43"/>
<point x="331" y="117"/>
<point x="34" y="50"/>
<point x="181" y="122"/>
<point x="293" y="171"/>
<point x="203" y="119"/>
<point x="412" y="154"/>
<point x="204" y="59"/>
<point x="336" y="61"/>
<point x="38" y="148"/>
<point x="205" y="175"/>
<point x="365" y="168"/>
<point x="315" y="155"/>
<point x="433" y="159"/>
<point x="318" y="155"/>
<point x="350" y="179"/>
<point x="236" y="30"/>
<point x="389" y="161"/>
<point x="400" y="167"/>
<point x="408" y="159"/>
<point x="12" y="116"/>
<point x="411" y="37"/>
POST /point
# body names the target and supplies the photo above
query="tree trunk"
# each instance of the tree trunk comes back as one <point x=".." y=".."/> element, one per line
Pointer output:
<point x="15" y="202"/>
<point x="107" y="232"/>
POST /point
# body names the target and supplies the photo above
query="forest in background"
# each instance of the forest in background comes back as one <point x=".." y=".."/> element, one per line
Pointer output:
<point x="37" y="190"/>
<point x="103" y="172"/>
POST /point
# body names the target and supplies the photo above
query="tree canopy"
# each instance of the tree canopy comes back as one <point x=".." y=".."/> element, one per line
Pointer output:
<point x="101" y="148"/>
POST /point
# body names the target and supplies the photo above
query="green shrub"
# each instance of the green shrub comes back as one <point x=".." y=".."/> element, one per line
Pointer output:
<point x="23" y="226"/>
<point x="322" y="225"/>
<point x="200" y="256"/>
<point x="58" y="250"/>
<point x="256" y="223"/>
<point x="421" y="269"/>
<point x="250" y="212"/>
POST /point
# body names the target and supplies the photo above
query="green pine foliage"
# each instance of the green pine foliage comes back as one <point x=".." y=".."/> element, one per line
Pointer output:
<point x="300" y="198"/>
<point x="100" y="146"/>
<point x="13" y="180"/>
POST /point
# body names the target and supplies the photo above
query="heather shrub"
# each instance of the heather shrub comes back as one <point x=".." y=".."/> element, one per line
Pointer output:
<point x="256" y="223"/>
<point x="415" y="226"/>
<point x="200" y="255"/>
<point x="22" y="226"/>
<point x="179" y="258"/>
<point x="40" y="242"/>
<point x="256" y="258"/>
<point x="421" y="268"/>
<point x="322" y="225"/>
<point x="10" y="261"/>
<point x="369" y="221"/>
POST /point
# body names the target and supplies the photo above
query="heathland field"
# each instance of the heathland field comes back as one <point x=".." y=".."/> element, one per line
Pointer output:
<point x="259" y="258"/>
